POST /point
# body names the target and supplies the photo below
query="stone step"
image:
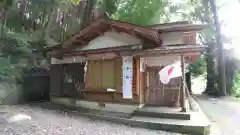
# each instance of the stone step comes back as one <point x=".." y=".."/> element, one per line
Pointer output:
<point x="198" y="125"/>
<point x="163" y="112"/>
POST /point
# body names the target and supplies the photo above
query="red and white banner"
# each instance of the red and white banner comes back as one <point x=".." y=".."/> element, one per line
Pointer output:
<point x="171" y="71"/>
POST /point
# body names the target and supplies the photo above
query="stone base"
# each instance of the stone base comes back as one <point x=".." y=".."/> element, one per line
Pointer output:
<point x="123" y="114"/>
<point x="109" y="109"/>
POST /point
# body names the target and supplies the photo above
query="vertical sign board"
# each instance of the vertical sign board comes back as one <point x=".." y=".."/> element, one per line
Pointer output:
<point x="127" y="76"/>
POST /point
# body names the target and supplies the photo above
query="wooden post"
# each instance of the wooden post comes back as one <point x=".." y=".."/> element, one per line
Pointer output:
<point x="147" y="89"/>
<point x="137" y="75"/>
<point x="141" y="82"/>
<point x="183" y="105"/>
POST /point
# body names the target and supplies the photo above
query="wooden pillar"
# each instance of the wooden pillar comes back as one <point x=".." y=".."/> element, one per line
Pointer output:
<point x="183" y="104"/>
<point x="137" y="75"/>
<point x="147" y="89"/>
<point x="138" y="79"/>
<point x="141" y="81"/>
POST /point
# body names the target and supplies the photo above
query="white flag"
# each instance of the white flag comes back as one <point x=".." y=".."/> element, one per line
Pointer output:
<point x="171" y="71"/>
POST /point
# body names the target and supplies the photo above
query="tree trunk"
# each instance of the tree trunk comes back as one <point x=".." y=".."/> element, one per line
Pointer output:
<point x="211" y="77"/>
<point x="207" y="39"/>
<point x="88" y="13"/>
<point x="221" y="65"/>
<point x="3" y="17"/>
<point x="230" y="74"/>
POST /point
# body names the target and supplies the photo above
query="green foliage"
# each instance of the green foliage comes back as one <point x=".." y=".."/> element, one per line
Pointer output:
<point x="75" y="1"/>
<point x="199" y="67"/>
<point x="33" y="24"/>
<point x="8" y="71"/>
<point x="236" y="86"/>
<point x="140" y="12"/>
<point x="6" y="3"/>
<point x="109" y="6"/>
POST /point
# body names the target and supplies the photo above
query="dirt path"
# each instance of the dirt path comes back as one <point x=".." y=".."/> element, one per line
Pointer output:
<point x="29" y="120"/>
<point x="224" y="113"/>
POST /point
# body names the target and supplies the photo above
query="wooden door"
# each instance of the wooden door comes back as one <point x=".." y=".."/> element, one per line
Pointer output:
<point x="156" y="93"/>
<point x="154" y="89"/>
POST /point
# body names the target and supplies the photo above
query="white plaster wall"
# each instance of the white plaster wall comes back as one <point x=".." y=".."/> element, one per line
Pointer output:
<point x="111" y="39"/>
<point x="172" y="38"/>
<point x="160" y="60"/>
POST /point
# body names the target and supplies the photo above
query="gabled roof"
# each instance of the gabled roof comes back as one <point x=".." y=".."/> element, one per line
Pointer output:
<point x="149" y="34"/>
<point x="181" y="26"/>
<point x="101" y="25"/>
<point x="169" y="24"/>
<point x="173" y="49"/>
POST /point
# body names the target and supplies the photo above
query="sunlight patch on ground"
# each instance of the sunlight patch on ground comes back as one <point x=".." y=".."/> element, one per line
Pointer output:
<point x="198" y="84"/>
<point x="19" y="117"/>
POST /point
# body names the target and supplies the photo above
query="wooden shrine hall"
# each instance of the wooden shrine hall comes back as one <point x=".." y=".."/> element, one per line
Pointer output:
<point x="116" y="62"/>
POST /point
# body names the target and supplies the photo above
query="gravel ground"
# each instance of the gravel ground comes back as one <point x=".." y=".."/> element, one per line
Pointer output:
<point x="39" y="121"/>
<point x="224" y="113"/>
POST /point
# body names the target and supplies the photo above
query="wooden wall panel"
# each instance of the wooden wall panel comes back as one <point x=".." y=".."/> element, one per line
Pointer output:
<point x="93" y="75"/>
<point x="108" y="74"/>
<point x="158" y="94"/>
<point x="118" y="74"/>
<point x="98" y="73"/>
<point x="174" y="83"/>
<point x="189" y="37"/>
<point x="103" y="74"/>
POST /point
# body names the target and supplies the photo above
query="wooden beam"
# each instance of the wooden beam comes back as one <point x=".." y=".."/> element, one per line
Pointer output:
<point x="80" y="41"/>
<point x="104" y="50"/>
<point x="167" y="52"/>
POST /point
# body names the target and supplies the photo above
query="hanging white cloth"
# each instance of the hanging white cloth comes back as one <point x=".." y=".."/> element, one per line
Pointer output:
<point x="171" y="71"/>
<point x="127" y="76"/>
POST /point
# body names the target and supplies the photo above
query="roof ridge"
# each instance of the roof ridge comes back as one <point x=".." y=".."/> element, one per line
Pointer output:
<point x="168" y="23"/>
